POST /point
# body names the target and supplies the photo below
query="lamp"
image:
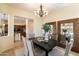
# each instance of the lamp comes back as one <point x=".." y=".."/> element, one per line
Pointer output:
<point x="41" y="12"/>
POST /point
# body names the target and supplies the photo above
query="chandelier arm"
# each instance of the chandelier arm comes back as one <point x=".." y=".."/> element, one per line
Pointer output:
<point x="41" y="12"/>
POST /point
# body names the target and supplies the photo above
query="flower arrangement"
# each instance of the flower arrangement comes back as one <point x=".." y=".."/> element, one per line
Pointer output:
<point x="46" y="27"/>
<point x="64" y="30"/>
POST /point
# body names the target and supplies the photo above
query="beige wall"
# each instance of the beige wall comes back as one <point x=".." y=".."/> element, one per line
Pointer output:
<point x="37" y="26"/>
<point x="23" y="13"/>
<point x="7" y="42"/>
<point x="64" y="13"/>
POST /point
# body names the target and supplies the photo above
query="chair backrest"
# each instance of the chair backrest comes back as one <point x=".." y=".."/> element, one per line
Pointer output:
<point x="68" y="47"/>
<point x="30" y="47"/>
<point x="31" y="35"/>
<point x="25" y="46"/>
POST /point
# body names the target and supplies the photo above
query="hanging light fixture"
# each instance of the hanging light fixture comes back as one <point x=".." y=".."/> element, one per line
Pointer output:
<point x="41" y="12"/>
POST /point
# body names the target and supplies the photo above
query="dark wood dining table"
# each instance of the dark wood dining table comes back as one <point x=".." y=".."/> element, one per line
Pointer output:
<point x="46" y="46"/>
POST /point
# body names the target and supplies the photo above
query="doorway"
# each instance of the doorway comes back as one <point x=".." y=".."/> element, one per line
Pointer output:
<point x="19" y="28"/>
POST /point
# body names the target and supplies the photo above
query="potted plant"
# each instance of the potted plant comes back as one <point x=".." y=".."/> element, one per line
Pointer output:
<point x="64" y="30"/>
<point x="46" y="28"/>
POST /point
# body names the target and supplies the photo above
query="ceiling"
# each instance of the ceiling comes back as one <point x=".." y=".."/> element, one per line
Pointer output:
<point x="31" y="7"/>
<point x="35" y="6"/>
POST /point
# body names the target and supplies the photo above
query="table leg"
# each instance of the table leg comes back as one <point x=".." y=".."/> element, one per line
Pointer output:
<point x="46" y="53"/>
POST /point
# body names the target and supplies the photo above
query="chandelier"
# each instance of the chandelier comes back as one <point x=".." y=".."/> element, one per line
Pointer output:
<point x="41" y="12"/>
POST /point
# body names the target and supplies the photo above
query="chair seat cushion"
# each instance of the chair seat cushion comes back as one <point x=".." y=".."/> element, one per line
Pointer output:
<point x="39" y="52"/>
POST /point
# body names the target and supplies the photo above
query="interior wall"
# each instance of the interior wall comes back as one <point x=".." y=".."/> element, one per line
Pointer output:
<point x="38" y="26"/>
<point x="67" y="12"/>
<point x="37" y="21"/>
<point x="7" y="42"/>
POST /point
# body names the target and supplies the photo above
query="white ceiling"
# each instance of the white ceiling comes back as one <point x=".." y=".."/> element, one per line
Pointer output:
<point x="31" y="7"/>
<point x="34" y="6"/>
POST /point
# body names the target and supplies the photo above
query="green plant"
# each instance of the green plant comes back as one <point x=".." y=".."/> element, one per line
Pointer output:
<point x="64" y="30"/>
<point x="46" y="27"/>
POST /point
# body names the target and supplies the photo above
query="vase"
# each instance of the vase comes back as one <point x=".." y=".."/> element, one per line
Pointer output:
<point x="46" y="37"/>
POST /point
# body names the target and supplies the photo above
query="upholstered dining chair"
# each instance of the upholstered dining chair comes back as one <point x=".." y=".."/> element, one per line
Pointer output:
<point x="30" y="50"/>
<point x="25" y="46"/>
<point x="68" y="47"/>
<point x="57" y="51"/>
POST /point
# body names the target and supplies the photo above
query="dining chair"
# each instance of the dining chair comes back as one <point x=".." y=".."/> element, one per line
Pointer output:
<point x="31" y="50"/>
<point x="68" y="47"/>
<point x="31" y="35"/>
<point x="25" y="46"/>
<point x="57" y="51"/>
<point x="29" y="47"/>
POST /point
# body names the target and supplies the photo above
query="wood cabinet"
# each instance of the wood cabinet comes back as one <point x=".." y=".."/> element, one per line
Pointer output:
<point x="76" y="35"/>
<point x="75" y="32"/>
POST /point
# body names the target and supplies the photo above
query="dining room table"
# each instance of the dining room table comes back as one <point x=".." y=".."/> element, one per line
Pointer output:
<point x="46" y="46"/>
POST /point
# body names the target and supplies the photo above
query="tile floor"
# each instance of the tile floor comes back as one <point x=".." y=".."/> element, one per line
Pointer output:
<point x="18" y="50"/>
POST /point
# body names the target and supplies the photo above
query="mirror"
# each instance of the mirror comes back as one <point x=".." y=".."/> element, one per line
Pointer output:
<point x="66" y="28"/>
<point x="52" y="32"/>
<point x="53" y="29"/>
<point x="3" y="24"/>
